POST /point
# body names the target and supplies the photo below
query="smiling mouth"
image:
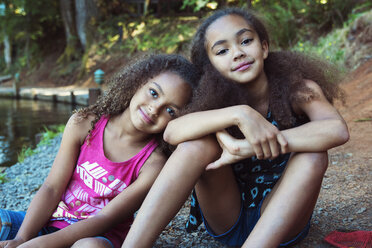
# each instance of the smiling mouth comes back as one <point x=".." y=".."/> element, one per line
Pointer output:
<point x="145" y="117"/>
<point x="243" y="66"/>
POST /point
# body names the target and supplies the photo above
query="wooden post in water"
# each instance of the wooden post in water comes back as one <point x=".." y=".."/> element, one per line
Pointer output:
<point x="94" y="93"/>
<point x="15" y="89"/>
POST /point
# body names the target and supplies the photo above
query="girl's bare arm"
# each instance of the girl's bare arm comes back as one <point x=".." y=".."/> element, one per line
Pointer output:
<point x="122" y="207"/>
<point x="264" y="137"/>
<point x="49" y="195"/>
<point x="326" y="129"/>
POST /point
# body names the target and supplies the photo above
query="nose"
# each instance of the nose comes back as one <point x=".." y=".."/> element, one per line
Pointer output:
<point x="153" y="109"/>
<point x="238" y="53"/>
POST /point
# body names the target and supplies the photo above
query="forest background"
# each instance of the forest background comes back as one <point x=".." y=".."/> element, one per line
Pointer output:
<point x="59" y="43"/>
<point x="55" y="43"/>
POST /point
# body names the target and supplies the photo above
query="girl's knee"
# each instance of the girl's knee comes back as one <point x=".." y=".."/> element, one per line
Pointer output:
<point x="91" y="243"/>
<point x="204" y="149"/>
<point x="314" y="163"/>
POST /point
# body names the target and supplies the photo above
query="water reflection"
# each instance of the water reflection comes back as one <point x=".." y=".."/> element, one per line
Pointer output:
<point x="21" y="120"/>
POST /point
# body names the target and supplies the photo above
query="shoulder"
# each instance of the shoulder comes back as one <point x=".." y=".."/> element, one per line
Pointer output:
<point x="312" y="85"/>
<point x="79" y="127"/>
<point x="311" y="98"/>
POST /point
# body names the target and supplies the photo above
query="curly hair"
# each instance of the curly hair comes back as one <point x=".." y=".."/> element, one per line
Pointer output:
<point x="132" y="77"/>
<point x="286" y="72"/>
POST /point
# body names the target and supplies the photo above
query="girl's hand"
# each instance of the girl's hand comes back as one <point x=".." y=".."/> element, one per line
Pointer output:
<point x="267" y="141"/>
<point x="233" y="150"/>
<point x="11" y="243"/>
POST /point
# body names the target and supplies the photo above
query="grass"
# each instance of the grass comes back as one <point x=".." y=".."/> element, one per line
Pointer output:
<point x="48" y="134"/>
<point x="2" y="178"/>
<point x="330" y="47"/>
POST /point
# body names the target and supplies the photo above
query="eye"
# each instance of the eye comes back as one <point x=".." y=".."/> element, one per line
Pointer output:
<point x="154" y="93"/>
<point x="221" y="52"/>
<point x="246" y="41"/>
<point x="171" y="112"/>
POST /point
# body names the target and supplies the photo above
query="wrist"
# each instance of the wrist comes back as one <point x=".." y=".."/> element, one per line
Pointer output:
<point x="239" y="113"/>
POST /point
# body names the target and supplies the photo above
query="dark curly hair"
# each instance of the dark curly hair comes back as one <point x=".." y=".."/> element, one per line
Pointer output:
<point x="286" y="72"/>
<point x="129" y="79"/>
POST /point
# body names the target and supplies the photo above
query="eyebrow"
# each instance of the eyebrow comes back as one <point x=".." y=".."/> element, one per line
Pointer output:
<point x="240" y="32"/>
<point x="159" y="87"/>
<point x="162" y="92"/>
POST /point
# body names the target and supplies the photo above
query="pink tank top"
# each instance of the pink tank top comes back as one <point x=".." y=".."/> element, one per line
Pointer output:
<point x="96" y="181"/>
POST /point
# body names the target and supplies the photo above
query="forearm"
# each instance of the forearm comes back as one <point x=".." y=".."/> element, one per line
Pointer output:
<point x="199" y="124"/>
<point x="39" y="212"/>
<point x="317" y="136"/>
<point x="66" y="237"/>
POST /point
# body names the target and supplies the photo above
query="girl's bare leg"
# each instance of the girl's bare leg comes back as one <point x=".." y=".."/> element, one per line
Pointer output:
<point x="92" y="242"/>
<point x="172" y="188"/>
<point x="287" y="209"/>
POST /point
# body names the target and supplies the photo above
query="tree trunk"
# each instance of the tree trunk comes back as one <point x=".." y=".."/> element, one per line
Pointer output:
<point x="86" y="11"/>
<point x="72" y="50"/>
<point x="146" y="7"/>
<point x="249" y="3"/>
<point x="7" y="51"/>
<point x="67" y="12"/>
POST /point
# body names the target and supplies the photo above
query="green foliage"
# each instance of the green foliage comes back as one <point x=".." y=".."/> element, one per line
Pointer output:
<point x="330" y="46"/>
<point x="28" y="24"/>
<point x="3" y="178"/>
<point x="295" y="20"/>
<point x="143" y="35"/>
<point x="25" y="152"/>
<point x="195" y="4"/>
<point x="48" y="134"/>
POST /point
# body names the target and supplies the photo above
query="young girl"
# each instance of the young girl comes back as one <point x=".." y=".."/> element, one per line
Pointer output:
<point x="265" y="184"/>
<point x="107" y="160"/>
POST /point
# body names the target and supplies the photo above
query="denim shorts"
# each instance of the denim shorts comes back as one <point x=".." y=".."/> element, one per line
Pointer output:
<point x="248" y="218"/>
<point x="11" y="221"/>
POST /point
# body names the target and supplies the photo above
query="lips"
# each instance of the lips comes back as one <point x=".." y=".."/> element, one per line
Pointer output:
<point x="145" y="116"/>
<point x="242" y="66"/>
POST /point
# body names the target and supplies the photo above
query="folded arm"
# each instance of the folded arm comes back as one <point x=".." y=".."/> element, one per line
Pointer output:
<point x="264" y="137"/>
<point x="326" y="129"/>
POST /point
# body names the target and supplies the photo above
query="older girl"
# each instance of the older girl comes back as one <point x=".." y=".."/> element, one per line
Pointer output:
<point x="265" y="185"/>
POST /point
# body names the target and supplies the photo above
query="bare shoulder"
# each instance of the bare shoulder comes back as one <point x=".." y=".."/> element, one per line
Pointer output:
<point x="313" y="85"/>
<point x="305" y="95"/>
<point x="78" y="127"/>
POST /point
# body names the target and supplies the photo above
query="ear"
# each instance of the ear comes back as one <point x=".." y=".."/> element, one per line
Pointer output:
<point x="265" y="49"/>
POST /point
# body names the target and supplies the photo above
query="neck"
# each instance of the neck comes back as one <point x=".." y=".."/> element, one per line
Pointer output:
<point x="259" y="93"/>
<point x="123" y="129"/>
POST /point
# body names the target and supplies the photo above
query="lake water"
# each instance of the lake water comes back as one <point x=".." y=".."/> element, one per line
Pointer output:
<point x="21" y="120"/>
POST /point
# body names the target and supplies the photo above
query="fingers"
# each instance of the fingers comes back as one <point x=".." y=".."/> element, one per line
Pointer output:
<point x="270" y="145"/>
<point x="213" y="166"/>
<point x="228" y="142"/>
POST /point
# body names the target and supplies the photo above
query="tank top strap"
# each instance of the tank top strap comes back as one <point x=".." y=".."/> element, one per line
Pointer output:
<point x="100" y="124"/>
<point x="145" y="153"/>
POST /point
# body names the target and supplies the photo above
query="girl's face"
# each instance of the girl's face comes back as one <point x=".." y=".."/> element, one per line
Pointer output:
<point x="235" y="50"/>
<point x="158" y="101"/>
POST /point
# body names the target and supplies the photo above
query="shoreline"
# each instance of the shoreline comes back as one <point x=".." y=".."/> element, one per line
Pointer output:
<point x="78" y="96"/>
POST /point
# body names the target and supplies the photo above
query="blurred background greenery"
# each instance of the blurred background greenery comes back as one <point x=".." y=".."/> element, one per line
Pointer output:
<point x="74" y="37"/>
